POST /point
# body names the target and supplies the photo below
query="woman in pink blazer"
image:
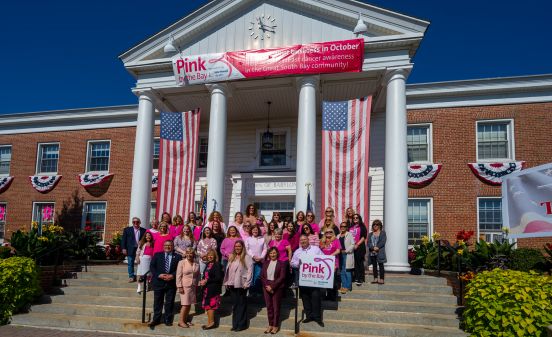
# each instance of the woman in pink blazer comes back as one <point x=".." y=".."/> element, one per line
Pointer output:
<point x="237" y="280"/>
<point x="187" y="279"/>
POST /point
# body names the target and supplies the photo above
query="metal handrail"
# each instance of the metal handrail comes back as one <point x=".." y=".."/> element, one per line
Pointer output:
<point x="439" y="258"/>
<point x="296" y="325"/>
<point x="144" y="291"/>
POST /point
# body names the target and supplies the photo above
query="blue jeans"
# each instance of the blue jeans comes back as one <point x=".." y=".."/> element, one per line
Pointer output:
<point x="130" y="260"/>
<point x="346" y="277"/>
<point x="256" y="281"/>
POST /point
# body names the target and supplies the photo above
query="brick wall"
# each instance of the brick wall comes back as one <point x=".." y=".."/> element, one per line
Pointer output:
<point x="72" y="161"/>
<point x="456" y="189"/>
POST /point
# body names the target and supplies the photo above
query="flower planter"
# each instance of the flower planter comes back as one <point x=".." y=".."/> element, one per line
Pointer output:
<point x="47" y="275"/>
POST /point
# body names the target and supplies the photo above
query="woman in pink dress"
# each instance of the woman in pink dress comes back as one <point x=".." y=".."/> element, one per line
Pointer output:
<point x="176" y="228"/>
<point x="269" y="235"/>
<point x="187" y="280"/>
<point x="144" y="253"/>
<point x="238" y="222"/>
<point x="206" y="243"/>
<point x="310" y="220"/>
<point x="314" y="240"/>
<point x="291" y="235"/>
<point x="160" y="237"/>
<point x="215" y="216"/>
<point x="330" y="245"/>
<point x="283" y="246"/>
<point x="227" y="245"/>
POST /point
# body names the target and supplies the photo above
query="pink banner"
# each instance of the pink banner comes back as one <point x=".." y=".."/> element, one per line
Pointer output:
<point x="312" y="58"/>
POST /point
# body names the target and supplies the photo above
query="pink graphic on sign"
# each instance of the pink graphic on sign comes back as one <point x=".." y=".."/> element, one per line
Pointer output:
<point x="2" y="213"/>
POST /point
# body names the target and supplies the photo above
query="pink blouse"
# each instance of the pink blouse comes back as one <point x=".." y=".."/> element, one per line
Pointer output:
<point x="331" y="248"/>
<point x="158" y="241"/>
<point x="227" y="246"/>
<point x="175" y="230"/>
<point x="282" y="248"/>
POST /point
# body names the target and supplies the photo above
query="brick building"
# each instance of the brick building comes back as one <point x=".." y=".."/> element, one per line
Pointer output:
<point x="449" y="123"/>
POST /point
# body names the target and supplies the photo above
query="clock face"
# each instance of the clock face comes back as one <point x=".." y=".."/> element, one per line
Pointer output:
<point x="262" y="27"/>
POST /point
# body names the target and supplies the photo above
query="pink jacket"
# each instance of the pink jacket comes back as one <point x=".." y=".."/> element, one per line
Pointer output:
<point x="187" y="275"/>
<point x="238" y="275"/>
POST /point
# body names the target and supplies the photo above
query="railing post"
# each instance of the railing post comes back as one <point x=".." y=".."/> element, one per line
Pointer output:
<point x="439" y="258"/>
<point x="87" y="255"/>
<point x="144" y="291"/>
<point x="55" y="283"/>
<point x="460" y="283"/>
<point x="296" y="326"/>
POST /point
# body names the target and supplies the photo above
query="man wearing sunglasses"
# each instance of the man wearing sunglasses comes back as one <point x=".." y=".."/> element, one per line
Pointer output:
<point x="129" y="243"/>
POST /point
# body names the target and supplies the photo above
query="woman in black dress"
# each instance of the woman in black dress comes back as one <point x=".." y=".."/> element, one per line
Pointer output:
<point x="212" y="284"/>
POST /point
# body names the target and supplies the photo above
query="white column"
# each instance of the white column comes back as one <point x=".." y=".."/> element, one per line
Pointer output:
<point x="140" y="197"/>
<point x="396" y="180"/>
<point x="306" y="142"/>
<point x="217" y="147"/>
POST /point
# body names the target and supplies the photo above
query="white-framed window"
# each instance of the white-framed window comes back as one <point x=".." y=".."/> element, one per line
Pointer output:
<point x="93" y="216"/>
<point x="156" y="152"/>
<point x="489" y="218"/>
<point x="278" y="155"/>
<point x="202" y="152"/>
<point x="420" y="215"/>
<point x="153" y="208"/>
<point x="495" y="140"/>
<point x="47" y="158"/>
<point x="3" y="215"/>
<point x="5" y="159"/>
<point x="43" y="214"/>
<point x="419" y="143"/>
<point x="97" y="156"/>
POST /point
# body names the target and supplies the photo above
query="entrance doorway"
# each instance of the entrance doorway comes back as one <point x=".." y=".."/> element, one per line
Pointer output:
<point x="267" y="208"/>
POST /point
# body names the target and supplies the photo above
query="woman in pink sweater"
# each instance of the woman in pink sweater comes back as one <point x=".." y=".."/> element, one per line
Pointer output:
<point x="227" y="245"/>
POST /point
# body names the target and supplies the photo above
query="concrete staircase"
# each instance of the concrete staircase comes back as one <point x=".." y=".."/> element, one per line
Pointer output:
<point x="102" y="300"/>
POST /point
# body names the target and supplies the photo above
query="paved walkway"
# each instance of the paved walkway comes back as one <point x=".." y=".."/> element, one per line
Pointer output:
<point x="21" y="331"/>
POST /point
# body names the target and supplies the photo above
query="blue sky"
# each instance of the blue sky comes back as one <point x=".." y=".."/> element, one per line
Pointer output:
<point x="63" y="54"/>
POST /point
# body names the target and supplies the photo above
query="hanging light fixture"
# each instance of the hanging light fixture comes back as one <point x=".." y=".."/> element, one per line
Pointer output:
<point x="268" y="137"/>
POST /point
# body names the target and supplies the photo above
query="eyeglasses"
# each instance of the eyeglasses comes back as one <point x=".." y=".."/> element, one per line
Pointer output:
<point x="329" y="211"/>
<point x="135" y="221"/>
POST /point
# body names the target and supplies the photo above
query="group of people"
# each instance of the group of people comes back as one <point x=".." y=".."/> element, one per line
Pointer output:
<point x="248" y="257"/>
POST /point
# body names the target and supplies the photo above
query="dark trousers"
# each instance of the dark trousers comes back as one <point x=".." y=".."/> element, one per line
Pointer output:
<point x="164" y="296"/>
<point x="359" y="264"/>
<point x="273" y="305"/>
<point x="331" y="294"/>
<point x="312" y="303"/>
<point x="239" y="307"/>
<point x="377" y="265"/>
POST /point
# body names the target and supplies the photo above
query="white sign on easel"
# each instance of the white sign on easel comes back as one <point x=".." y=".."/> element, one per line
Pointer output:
<point x="317" y="271"/>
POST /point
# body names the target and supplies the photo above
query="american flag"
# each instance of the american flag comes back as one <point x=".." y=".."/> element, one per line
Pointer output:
<point x="177" y="162"/>
<point x="345" y="149"/>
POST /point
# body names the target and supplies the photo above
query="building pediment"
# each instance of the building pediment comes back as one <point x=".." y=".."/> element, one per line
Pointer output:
<point x="229" y="25"/>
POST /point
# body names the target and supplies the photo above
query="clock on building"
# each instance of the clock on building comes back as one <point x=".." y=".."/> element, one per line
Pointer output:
<point x="262" y="27"/>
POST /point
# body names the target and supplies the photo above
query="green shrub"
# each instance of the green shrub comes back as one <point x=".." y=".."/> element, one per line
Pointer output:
<point x="508" y="303"/>
<point x="526" y="259"/>
<point x="19" y="280"/>
<point x="5" y="252"/>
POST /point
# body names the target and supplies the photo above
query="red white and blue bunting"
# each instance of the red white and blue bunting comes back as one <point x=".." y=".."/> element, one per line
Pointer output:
<point x="44" y="184"/>
<point x="93" y="179"/>
<point x="492" y="173"/>
<point x="154" y="181"/>
<point x="5" y="183"/>
<point x="420" y="175"/>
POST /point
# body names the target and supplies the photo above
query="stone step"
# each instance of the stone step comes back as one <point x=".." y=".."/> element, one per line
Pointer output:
<point x="346" y="303"/>
<point x="288" y="313"/>
<point x="390" y="286"/>
<point x="332" y="326"/>
<point x="360" y="294"/>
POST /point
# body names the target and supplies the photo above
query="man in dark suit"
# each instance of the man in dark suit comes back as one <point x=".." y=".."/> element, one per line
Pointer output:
<point x="163" y="269"/>
<point x="129" y="243"/>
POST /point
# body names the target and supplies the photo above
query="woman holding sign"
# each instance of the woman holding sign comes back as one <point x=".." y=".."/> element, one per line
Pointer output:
<point x="273" y="277"/>
<point x="330" y="245"/>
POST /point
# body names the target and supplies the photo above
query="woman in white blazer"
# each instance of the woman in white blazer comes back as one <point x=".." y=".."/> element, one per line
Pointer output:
<point x="347" y="257"/>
